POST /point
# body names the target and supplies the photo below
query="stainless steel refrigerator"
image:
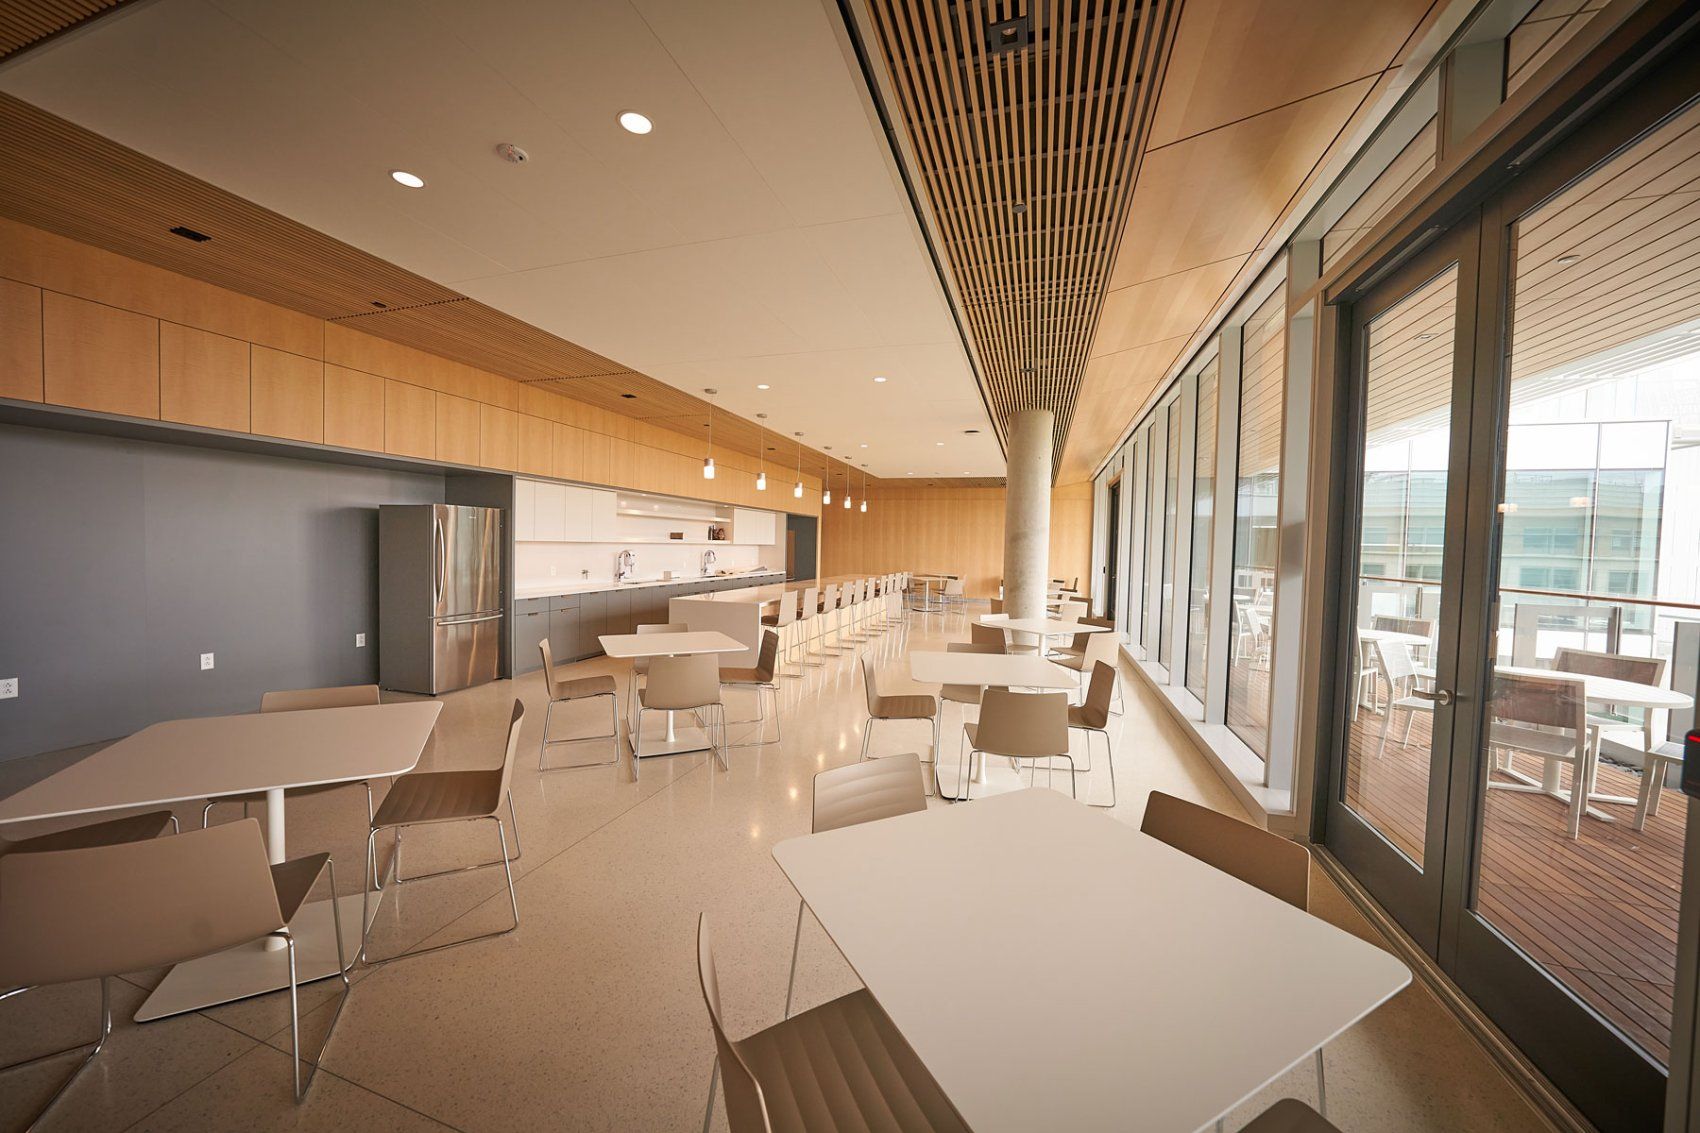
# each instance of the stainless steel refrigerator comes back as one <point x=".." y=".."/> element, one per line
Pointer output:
<point x="439" y="596"/>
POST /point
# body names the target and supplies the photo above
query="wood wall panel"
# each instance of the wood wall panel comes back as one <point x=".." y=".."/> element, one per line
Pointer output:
<point x="498" y="438"/>
<point x="286" y="395"/>
<point x="410" y="420"/>
<point x="951" y="531"/>
<point x="203" y="378"/>
<point x="99" y="357"/>
<point x="457" y="429"/>
<point x="354" y="409"/>
<point x="535" y="446"/>
<point x="20" y="341"/>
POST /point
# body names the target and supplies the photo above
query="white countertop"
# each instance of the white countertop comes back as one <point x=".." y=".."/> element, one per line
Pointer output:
<point x="561" y="588"/>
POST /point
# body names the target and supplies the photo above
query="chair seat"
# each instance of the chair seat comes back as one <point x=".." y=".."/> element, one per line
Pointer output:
<point x="1414" y="704"/>
<point x="1548" y="745"/>
<point x="580" y="688"/>
<point x="1077" y="718"/>
<point x="772" y="620"/>
<point x="907" y="706"/>
<point x="960" y="694"/>
<point x="135" y="828"/>
<point x="1289" y="1115"/>
<point x="293" y="880"/>
<point x="440" y="796"/>
<point x="745" y="677"/>
<point x="843" y="1066"/>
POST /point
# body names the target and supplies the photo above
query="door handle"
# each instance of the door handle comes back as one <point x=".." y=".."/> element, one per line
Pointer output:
<point x="1441" y="696"/>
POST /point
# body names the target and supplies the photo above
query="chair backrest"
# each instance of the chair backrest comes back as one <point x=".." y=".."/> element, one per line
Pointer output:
<point x="1072" y="611"/>
<point x="746" y="1108"/>
<point x="953" y="587"/>
<point x="641" y="664"/>
<point x="1278" y="866"/>
<point x="976" y="647"/>
<point x="1391" y="623"/>
<point x="1107" y="623"/>
<point x="340" y="696"/>
<point x="1548" y="701"/>
<point x="1617" y="666"/>
<point x="872" y="687"/>
<point x="869" y="790"/>
<point x="1100" y="649"/>
<point x="1396" y="663"/>
<point x="787" y="608"/>
<point x="548" y="656"/>
<point x="996" y="604"/>
<point x="1100" y="690"/>
<point x="767" y="659"/>
<point x="79" y="914"/>
<point x="515" y="719"/>
<point x="810" y="604"/>
<point x="829" y="597"/>
<point x="985" y="635"/>
<point x="678" y="683"/>
<point x="1022" y="723"/>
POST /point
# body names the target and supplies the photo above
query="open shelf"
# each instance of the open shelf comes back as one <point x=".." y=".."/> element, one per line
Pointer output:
<point x="636" y="514"/>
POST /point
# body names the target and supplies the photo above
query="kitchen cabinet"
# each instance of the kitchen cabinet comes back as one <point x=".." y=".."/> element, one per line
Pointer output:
<point x="531" y="625"/>
<point x="604" y="524"/>
<point x="550" y="501"/>
<point x="592" y="610"/>
<point x="525" y="510"/>
<point x="576" y="507"/>
<point x="564" y="634"/>
<point x="751" y="526"/>
<point x="619" y="612"/>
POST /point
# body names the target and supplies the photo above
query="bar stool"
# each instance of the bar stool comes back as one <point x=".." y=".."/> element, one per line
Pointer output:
<point x="580" y="688"/>
<point x="784" y="622"/>
<point x="828" y="610"/>
<point x="808" y="624"/>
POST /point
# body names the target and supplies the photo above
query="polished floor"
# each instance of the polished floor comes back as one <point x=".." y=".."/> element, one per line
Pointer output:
<point x="590" y="1017"/>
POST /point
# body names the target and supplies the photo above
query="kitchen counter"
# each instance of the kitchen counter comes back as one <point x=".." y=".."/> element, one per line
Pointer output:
<point x="560" y="588"/>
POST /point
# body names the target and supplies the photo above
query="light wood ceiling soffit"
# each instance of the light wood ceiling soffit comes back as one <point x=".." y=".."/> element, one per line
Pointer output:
<point x="1256" y="97"/>
<point x="1026" y="156"/>
<point x="25" y="23"/>
<point x="65" y="179"/>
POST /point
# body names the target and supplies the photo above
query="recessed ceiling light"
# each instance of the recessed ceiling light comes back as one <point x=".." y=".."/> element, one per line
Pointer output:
<point x="940" y="444"/>
<point x="1424" y="337"/>
<point x="634" y="123"/>
<point x="403" y="177"/>
<point x="190" y="234"/>
<point x="864" y="444"/>
<point x="629" y="396"/>
<point x="1566" y="261"/>
<point x="763" y="385"/>
<point x="879" y="379"/>
<point x="909" y="474"/>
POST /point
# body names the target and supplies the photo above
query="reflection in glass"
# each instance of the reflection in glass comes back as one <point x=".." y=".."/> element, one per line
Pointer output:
<point x="1599" y="574"/>
<point x="1171" y="488"/>
<point x="1203" y="525"/>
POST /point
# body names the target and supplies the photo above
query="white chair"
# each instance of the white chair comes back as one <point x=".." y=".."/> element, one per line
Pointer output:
<point x="1545" y="716"/>
<point x="808" y="626"/>
<point x="866" y="791"/>
<point x="1393" y="661"/>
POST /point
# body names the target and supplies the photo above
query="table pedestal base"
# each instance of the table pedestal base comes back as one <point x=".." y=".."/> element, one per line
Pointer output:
<point x="672" y="733"/>
<point x="253" y="969"/>
<point x="997" y="778"/>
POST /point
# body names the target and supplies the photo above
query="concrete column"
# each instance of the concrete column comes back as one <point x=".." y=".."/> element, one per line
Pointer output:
<point x="1027" y="514"/>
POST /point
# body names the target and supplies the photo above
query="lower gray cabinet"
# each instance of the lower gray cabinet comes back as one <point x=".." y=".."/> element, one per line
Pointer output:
<point x="618" y="618"/>
<point x="531" y="625"/>
<point x="563" y="634"/>
<point x="592" y="610"/>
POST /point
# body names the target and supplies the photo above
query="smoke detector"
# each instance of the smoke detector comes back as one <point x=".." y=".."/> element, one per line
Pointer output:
<point x="507" y="151"/>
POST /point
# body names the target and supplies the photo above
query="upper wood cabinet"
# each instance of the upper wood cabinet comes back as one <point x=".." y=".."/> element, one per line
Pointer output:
<point x="99" y="357"/>
<point x="535" y="446"/>
<point x="20" y="341"/>
<point x="457" y="429"/>
<point x="354" y="409"/>
<point x="203" y="378"/>
<point x="498" y="437"/>
<point x="410" y="420"/>
<point x="286" y="394"/>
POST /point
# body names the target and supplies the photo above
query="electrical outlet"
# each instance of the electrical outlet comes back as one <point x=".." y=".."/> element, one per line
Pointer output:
<point x="8" y="687"/>
<point x="206" y="661"/>
<point x="359" y="641"/>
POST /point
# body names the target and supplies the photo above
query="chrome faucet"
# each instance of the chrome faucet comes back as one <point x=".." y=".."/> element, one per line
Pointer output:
<point x="708" y="560"/>
<point x="625" y="567"/>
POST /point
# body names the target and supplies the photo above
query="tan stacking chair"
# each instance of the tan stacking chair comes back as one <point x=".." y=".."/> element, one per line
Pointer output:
<point x="1093" y="717"/>
<point x="1018" y="726"/>
<point x="986" y="635"/>
<point x="426" y="798"/>
<point x="1289" y="1115"/>
<point x="965" y="694"/>
<point x="856" y="793"/>
<point x="955" y="595"/>
<point x="784" y="621"/>
<point x="562" y="691"/>
<point x="841" y="1066"/>
<point x="1077" y="645"/>
<point x="1278" y="866"/>
<point x="1101" y="649"/>
<point x="910" y="706"/>
<point x="640" y="665"/>
<point x="682" y="684"/>
<point x="759" y="678"/>
<point x="93" y="912"/>
<point x="112" y="832"/>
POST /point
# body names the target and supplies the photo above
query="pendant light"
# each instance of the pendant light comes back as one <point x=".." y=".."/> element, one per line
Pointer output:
<point x="797" y="489"/>
<point x="864" y="489"/>
<point x="761" y="453"/>
<point x="708" y="461"/>
<point x="846" y="487"/>
<point x="826" y="481"/>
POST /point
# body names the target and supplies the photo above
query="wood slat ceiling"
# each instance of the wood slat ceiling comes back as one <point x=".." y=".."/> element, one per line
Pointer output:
<point x="24" y="23"/>
<point x="57" y="176"/>
<point x="1027" y="159"/>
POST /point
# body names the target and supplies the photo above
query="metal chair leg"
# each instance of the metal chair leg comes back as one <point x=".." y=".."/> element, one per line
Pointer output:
<point x="99" y="1043"/>
<point x="302" y="1085"/>
<point x="1321" y="1085"/>
<point x="613" y="734"/>
<point x="713" y="1080"/>
<point x="513" y="899"/>
<point x="796" y="941"/>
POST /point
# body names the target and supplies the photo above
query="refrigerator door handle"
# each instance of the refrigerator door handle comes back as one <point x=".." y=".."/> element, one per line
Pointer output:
<point x="468" y="619"/>
<point x="440" y="547"/>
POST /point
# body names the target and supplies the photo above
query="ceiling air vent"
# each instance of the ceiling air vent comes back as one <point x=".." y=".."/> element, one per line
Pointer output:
<point x="1010" y="35"/>
<point x="190" y="234"/>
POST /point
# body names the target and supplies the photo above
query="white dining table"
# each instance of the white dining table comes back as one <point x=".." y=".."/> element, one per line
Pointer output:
<point x="989" y="670"/>
<point x="1131" y="1003"/>
<point x="189" y="761"/>
<point x="631" y="646"/>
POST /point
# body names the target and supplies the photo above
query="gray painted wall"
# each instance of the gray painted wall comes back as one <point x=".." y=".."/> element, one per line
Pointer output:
<point x="121" y="561"/>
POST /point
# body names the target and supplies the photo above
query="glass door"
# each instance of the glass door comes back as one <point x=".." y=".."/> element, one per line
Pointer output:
<point x="1393" y="755"/>
<point x="1113" y="506"/>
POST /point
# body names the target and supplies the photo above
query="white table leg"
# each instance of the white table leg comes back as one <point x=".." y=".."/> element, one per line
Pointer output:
<point x="672" y="735"/>
<point x="275" y="844"/>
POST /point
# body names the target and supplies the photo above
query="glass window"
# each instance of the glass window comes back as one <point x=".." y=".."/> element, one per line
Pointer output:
<point x="1257" y="490"/>
<point x="1171" y="492"/>
<point x="1203" y="524"/>
<point x="1410" y="165"/>
<point x="1538" y="36"/>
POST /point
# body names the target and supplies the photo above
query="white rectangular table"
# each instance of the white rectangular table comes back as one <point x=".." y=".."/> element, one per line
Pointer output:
<point x="192" y="760"/>
<point x="631" y="646"/>
<point x="1147" y="990"/>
